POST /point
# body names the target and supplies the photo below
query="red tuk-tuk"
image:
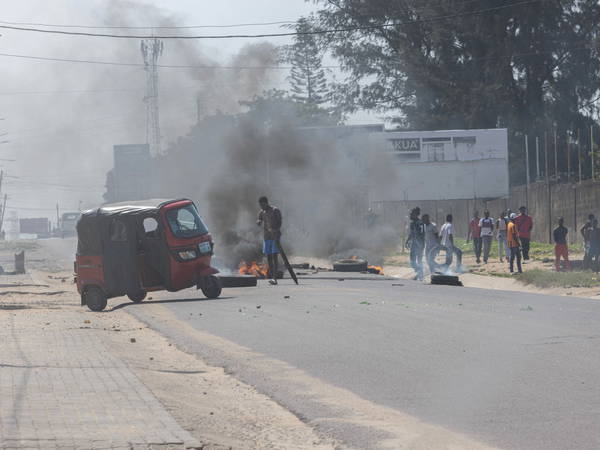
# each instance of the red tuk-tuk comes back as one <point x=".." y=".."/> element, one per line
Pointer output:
<point x="136" y="247"/>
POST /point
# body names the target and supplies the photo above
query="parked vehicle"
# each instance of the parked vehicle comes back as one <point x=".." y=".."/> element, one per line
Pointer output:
<point x="137" y="247"/>
<point x="68" y="224"/>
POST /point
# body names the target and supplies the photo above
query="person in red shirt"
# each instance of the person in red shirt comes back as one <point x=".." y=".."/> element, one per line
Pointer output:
<point x="524" y="225"/>
<point x="475" y="233"/>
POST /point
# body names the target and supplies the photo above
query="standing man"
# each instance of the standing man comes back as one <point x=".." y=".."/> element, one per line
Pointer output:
<point x="560" y="245"/>
<point x="431" y="239"/>
<point x="269" y="217"/>
<point x="524" y="225"/>
<point x="447" y="234"/>
<point x="475" y="233"/>
<point x="416" y="242"/>
<point x="486" y="227"/>
<point x="512" y="236"/>
<point x="586" y="233"/>
<point x="502" y="244"/>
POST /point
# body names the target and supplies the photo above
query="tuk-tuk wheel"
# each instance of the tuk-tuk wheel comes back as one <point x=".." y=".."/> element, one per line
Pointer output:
<point x="212" y="287"/>
<point x="137" y="297"/>
<point x="94" y="298"/>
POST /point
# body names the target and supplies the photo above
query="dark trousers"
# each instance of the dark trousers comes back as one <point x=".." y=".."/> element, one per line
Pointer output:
<point x="487" y="246"/>
<point x="525" y="246"/>
<point x="416" y="258"/>
<point x="477" y="241"/>
<point x="515" y="253"/>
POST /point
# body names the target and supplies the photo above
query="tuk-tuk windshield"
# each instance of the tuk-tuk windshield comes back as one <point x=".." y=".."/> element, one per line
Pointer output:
<point x="185" y="222"/>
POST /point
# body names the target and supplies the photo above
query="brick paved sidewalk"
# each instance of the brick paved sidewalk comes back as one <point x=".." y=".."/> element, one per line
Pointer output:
<point x="61" y="388"/>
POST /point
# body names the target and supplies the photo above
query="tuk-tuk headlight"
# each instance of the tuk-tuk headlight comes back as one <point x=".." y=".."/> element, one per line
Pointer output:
<point x="187" y="255"/>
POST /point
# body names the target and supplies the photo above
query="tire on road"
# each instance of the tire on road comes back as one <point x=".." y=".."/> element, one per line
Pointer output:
<point x="350" y="265"/>
<point x="94" y="298"/>
<point x="231" y="281"/>
<point x="446" y="280"/>
<point x="137" y="297"/>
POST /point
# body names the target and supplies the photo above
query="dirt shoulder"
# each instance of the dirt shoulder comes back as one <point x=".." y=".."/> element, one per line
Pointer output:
<point x="496" y="275"/>
<point x="217" y="410"/>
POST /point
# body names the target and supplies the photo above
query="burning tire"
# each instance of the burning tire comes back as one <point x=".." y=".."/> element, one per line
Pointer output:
<point x="211" y="287"/>
<point x="350" y="265"/>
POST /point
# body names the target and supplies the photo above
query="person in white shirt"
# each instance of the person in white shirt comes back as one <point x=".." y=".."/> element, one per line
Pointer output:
<point x="486" y="225"/>
<point x="447" y="235"/>
<point x="431" y="239"/>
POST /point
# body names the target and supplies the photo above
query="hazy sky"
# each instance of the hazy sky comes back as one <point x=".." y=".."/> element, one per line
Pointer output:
<point x="63" y="118"/>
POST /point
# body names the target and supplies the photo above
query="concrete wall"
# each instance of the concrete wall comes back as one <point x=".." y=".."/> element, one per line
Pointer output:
<point x="546" y="203"/>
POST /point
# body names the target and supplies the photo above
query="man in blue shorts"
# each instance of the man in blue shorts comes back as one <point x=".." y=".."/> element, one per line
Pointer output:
<point x="269" y="217"/>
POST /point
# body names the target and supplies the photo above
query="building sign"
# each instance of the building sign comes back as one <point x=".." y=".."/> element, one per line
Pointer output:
<point x="406" y="145"/>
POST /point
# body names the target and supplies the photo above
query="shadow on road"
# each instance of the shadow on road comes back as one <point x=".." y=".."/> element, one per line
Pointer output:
<point x="176" y="300"/>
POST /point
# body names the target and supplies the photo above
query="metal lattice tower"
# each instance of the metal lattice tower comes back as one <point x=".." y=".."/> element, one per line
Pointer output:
<point x="151" y="51"/>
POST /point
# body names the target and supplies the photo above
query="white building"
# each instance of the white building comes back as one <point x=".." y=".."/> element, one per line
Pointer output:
<point x="438" y="165"/>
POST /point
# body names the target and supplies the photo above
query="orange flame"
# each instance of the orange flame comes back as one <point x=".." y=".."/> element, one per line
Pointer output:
<point x="254" y="268"/>
<point x="376" y="269"/>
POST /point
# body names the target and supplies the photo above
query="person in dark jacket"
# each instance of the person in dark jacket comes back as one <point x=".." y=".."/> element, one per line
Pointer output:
<point x="269" y="217"/>
<point x="560" y="245"/>
<point x="416" y="242"/>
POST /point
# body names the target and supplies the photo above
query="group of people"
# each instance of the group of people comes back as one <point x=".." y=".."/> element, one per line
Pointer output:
<point x="512" y="231"/>
<point x="424" y="239"/>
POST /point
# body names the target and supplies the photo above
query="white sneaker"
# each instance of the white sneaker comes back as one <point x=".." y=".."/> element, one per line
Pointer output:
<point x="273" y="282"/>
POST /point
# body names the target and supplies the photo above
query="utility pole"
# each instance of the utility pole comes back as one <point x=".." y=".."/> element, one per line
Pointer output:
<point x="546" y="156"/>
<point x="592" y="152"/>
<point x="527" y="158"/>
<point x="537" y="158"/>
<point x="556" y="154"/>
<point x="568" y="158"/>
<point x="3" y="211"/>
<point x="527" y="171"/>
<point x="579" y="153"/>
<point x="152" y="50"/>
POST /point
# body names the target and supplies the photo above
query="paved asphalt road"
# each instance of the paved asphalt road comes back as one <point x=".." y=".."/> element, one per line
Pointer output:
<point x="511" y="370"/>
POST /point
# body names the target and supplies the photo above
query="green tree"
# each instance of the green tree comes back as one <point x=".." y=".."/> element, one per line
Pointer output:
<point x="308" y="78"/>
<point x="462" y="64"/>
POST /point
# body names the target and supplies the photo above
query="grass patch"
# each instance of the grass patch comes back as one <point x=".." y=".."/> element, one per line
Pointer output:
<point x="550" y="279"/>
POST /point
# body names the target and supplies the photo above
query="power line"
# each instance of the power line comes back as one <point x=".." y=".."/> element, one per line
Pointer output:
<point x="150" y="27"/>
<point x="74" y="91"/>
<point x="164" y="66"/>
<point x="265" y="35"/>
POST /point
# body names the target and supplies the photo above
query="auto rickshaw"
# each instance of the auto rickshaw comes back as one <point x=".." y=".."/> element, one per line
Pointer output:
<point x="137" y="247"/>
